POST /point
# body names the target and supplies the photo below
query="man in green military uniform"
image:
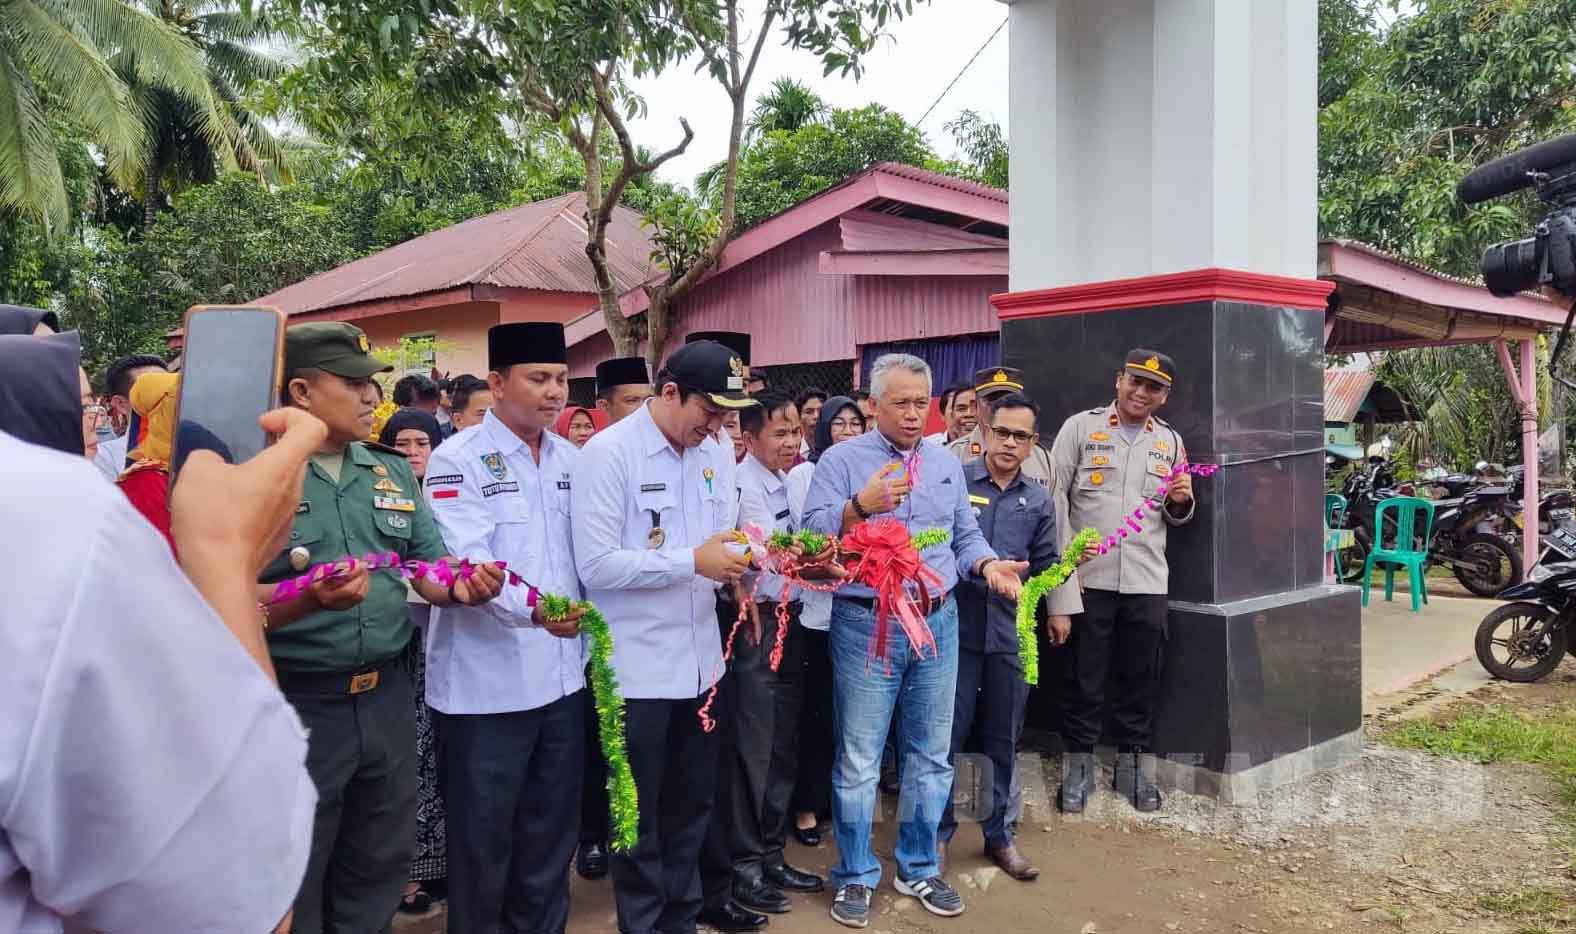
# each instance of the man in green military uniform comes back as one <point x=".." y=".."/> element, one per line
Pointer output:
<point x="339" y="647"/>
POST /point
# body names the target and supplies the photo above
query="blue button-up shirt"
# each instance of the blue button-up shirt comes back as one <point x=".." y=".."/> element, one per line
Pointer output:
<point x="940" y="499"/>
<point x="662" y="614"/>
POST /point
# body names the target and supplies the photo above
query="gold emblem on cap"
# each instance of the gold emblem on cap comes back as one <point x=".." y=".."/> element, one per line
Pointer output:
<point x="1153" y="363"/>
<point x="736" y="366"/>
<point x="1000" y="376"/>
<point x="366" y="345"/>
<point x="299" y="557"/>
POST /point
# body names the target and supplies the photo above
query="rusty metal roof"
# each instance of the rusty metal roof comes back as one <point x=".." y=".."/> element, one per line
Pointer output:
<point x="539" y="246"/>
<point x="1344" y="392"/>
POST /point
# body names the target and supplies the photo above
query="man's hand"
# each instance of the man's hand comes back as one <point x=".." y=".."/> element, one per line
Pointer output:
<point x="1059" y="628"/>
<point x="823" y="566"/>
<point x="1091" y="550"/>
<point x="1004" y="577"/>
<point x="343" y="590"/>
<point x="564" y="627"/>
<point x="716" y="561"/>
<point x="239" y="516"/>
<point x="1181" y="489"/>
<point x="485" y="583"/>
<point x="884" y="492"/>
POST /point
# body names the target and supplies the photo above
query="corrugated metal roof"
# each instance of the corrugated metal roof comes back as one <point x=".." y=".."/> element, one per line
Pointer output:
<point x="904" y="170"/>
<point x="539" y="246"/>
<point x="1372" y="250"/>
<point x="1344" y="392"/>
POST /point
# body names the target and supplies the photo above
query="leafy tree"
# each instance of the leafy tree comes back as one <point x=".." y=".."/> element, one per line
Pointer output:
<point x="985" y="145"/>
<point x="790" y="105"/>
<point x="55" y="62"/>
<point x="783" y="168"/>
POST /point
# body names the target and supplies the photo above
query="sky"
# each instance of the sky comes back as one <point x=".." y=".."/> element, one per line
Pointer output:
<point x="906" y="72"/>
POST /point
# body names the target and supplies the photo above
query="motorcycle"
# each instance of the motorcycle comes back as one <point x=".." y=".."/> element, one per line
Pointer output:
<point x="1533" y="631"/>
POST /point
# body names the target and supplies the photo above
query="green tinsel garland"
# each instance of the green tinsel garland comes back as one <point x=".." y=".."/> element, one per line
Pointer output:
<point x="811" y="543"/>
<point x="1036" y="588"/>
<point x="623" y="801"/>
<point x="930" y="538"/>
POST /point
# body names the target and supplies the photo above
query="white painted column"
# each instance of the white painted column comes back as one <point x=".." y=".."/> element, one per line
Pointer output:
<point x="1161" y="136"/>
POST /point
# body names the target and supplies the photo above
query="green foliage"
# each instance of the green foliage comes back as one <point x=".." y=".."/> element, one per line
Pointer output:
<point x="681" y="229"/>
<point x="983" y="142"/>
<point x="783" y="168"/>
<point x="1467" y="411"/>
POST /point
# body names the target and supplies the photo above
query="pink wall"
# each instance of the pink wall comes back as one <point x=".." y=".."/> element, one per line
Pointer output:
<point x="521" y="305"/>
<point x="463" y="325"/>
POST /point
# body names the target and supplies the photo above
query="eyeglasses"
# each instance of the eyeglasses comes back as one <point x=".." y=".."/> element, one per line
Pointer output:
<point x="95" y="414"/>
<point x="1002" y="434"/>
<point x="846" y="424"/>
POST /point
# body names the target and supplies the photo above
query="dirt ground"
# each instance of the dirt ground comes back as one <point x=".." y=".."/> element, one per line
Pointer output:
<point x="1400" y="841"/>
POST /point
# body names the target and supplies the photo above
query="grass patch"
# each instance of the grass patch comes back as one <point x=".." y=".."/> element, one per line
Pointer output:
<point x="1496" y="734"/>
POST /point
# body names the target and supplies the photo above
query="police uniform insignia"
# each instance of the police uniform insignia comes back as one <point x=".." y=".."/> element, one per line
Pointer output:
<point x="299" y="557"/>
<point x="1099" y="436"/>
<point x="366" y="345"/>
<point x="1097" y="478"/>
<point x="396" y="503"/>
<point x="1162" y="446"/>
<point x="495" y="465"/>
<point x="1159" y="468"/>
<point x="380" y="470"/>
<point x="1112" y="421"/>
<point x="1149" y="425"/>
<point x="1099" y="460"/>
<point x="974" y="448"/>
<point x="399" y="522"/>
<point x="386" y="485"/>
<point x="1000" y="376"/>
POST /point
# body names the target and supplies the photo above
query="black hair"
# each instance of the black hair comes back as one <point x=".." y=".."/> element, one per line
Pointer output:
<point x="951" y="392"/>
<point x="859" y="395"/>
<point x="1016" y="400"/>
<point x="379" y="387"/>
<point x="665" y="376"/>
<point x="770" y="402"/>
<point x="810" y="392"/>
<point x="462" y="387"/>
<point x="415" y="388"/>
<point x="117" y="379"/>
<point x="446" y="385"/>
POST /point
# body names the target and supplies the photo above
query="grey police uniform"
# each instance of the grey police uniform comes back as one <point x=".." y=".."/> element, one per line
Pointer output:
<point x="1104" y="477"/>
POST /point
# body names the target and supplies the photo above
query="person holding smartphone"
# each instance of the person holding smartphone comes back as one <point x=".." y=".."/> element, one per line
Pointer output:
<point x="340" y="647"/>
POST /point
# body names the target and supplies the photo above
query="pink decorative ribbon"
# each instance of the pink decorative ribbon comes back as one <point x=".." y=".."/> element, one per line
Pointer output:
<point x="1134" y="523"/>
<point x="438" y="571"/>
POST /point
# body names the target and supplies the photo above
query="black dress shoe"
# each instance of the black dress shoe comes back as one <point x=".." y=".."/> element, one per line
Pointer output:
<point x="788" y="879"/>
<point x="1131" y="783"/>
<point x="591" y="861"/>
<point x="730" y="918"/>
<point x="809" y="836"/>
<point x="759" y="895"/>
<point x="1077" y="782"/>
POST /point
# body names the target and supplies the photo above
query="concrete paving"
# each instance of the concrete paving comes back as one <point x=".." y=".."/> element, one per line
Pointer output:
<point x="1402" y="649"/>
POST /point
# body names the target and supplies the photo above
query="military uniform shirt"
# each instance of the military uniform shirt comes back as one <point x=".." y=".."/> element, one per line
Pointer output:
<point x="763" y="500"/>
<point x="1020" y="524"/>
<point x="494" y="502"/>
<point x="661" y="613"/>
<point x="1104" y="477"/>
<point x="375" y="507"/>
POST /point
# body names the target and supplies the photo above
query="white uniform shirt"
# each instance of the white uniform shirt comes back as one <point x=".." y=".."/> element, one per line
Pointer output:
<point x="151" y="778"/>
<point x="817" y="612"/>
<point x="661" y="613"/>
<point x="111" y="457"/>
<point x="494" y="502"/>
<point x="763" y="500"/>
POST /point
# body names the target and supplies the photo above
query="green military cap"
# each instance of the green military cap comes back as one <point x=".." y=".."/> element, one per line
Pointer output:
<point x="333" y="347"/>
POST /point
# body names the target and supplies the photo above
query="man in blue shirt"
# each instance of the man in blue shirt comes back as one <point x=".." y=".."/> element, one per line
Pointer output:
<point x="854" y="481"/>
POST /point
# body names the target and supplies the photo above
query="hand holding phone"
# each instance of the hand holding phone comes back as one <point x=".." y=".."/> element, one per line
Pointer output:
<point x="233" y="357"/>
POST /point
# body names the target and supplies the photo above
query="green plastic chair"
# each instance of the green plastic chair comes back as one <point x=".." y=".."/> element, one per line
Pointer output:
<point x="1334" y="519"/>
<point x="1402" y="554"/>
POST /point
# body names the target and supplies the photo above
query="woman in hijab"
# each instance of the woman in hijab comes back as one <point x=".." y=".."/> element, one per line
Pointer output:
<point x="413" y="433"/>
<point x="576" y="424"/>
<point x="19" y="319"/>
<point x="45" y="398"/>
<point x="840" y="420"/>
<point x="146" y="482"/>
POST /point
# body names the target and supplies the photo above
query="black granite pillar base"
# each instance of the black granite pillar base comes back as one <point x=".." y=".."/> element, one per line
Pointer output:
<point x="1264" y="670"/>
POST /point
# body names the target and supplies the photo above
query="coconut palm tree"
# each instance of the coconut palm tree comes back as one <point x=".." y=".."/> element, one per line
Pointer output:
<point x="188" y="145"/>
<point x="790" y="105"/>
<point x="55" y="63"/>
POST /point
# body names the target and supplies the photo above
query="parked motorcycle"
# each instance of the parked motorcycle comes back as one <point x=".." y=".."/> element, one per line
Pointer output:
<point x="1525" y="639"/>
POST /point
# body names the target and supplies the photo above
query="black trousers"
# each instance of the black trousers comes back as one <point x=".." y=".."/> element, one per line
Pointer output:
<point x="716" y="857"/>
<point x="988" y="709"/>
<point x="361" y="754"/>
<point x="767" y="740"/>
<point x="812" y="793"/>
<point x="512" y="794"/>
<point x="656" y="885"/>
<point x="595" y="820"/>
<point x="1120" y="638"/>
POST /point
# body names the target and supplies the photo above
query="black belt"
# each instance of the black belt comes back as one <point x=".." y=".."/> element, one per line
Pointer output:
<point x="337" y="682"/>
<point x="869" y="603"/>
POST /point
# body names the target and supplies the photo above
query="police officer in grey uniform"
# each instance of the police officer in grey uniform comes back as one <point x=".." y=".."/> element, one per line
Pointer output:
<point x="1107" y="461"/>
<point x="991" y="385"/>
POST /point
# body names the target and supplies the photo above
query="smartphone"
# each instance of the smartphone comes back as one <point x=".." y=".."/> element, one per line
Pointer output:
<point x="232" y="360"/>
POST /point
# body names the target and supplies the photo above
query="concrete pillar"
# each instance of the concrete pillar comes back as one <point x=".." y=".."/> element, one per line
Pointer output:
<point x="1163" y="195"/>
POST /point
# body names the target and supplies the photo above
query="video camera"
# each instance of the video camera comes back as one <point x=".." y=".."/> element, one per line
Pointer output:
<point x="1548" y="258"/>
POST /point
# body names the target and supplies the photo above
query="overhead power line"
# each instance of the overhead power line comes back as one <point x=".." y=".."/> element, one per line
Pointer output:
<point x="966" y="65"/>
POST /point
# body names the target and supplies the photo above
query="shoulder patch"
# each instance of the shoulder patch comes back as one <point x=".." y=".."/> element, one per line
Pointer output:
<point x="383" y="449"/>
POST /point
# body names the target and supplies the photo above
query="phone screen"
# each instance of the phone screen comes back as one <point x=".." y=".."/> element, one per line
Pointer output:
<point x="229" y="377"/>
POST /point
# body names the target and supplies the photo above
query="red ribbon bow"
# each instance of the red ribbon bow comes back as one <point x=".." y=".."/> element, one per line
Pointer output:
<point x="888" y="563"/>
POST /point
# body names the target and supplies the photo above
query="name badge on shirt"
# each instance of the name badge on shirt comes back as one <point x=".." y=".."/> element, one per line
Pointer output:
<point x="653" y="487"/>
<point x="493" y="489"/>
<point x="396" y="503"/>
<point x="979" y="500"/>
<point x="781" y="515"/>
<point x="563" y="484"/>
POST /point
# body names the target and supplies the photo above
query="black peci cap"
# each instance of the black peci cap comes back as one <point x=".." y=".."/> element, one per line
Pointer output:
<point x="1151" y="365"/>
<point x="622" y="371"/>
<point x="525" y="342"/>
<point x="710" y="368"/>
<point x="735" y="341"/>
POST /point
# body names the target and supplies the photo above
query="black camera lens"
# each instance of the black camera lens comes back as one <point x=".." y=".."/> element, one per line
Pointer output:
<point x="1512" y="267"/>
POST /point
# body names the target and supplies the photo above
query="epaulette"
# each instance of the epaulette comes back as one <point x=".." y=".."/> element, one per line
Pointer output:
<point x="384" y="449"/>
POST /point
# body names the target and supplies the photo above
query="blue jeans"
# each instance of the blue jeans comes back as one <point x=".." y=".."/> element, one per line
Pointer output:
<point x="864" y="691"/>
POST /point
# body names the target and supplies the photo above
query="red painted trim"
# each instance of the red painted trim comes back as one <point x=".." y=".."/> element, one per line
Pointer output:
<point x="1198" y="285"/>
